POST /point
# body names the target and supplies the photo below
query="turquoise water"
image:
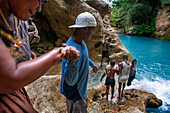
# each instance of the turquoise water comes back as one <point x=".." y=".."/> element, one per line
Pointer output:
<point x="153" y="67"/>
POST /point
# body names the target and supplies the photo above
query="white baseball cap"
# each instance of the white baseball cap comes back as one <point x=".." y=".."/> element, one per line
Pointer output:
<point x="85" y="19"/>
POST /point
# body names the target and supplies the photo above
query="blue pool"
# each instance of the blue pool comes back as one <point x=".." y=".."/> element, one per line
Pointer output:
<point x="153" y="67"/>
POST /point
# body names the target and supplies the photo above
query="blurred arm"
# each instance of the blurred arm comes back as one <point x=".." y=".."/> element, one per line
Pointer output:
<point x="15" y="76"/>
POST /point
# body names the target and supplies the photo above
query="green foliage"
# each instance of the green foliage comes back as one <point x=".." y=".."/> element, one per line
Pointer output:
<point x="115" y="18"/>
<point x="162" y="37"/>
<point x="118" y="3"/>
<point x="91" y="11"/>
<point x="166" y="38"/>
<point x="165" y="2"/>
<point x="138" y="13"/>
<point x="112" y="22"/>
<point x="144" y="29"/>
<point x="118" y="15"/>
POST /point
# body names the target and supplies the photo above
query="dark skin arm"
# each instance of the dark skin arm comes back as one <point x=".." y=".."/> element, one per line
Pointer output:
<point x="104" y="74"/>
<point x="108" y="46"/>
<point x="120" y="65"/>
<point x="15" y="76"/>
<point x="117" y="71"/>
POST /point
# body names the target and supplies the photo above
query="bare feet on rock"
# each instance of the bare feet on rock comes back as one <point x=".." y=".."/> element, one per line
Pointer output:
<point x="112" y="97"/>
<point x="118" y="98"/>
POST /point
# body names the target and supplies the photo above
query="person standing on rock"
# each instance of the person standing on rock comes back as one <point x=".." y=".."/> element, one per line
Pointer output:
<point x="75" y="73"/>
<point x="123" y="74"/>
<point x="106" y="51"/>
<point x="16" y="68"/>
<point x="110" y="71"/>
<point x="132" y="72"/>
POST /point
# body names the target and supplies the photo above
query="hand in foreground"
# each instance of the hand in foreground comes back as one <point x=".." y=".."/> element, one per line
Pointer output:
<point x="71" y="53"/>
<point x="94" y="69"/>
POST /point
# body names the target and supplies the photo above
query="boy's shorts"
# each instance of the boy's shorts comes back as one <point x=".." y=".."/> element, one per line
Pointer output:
<point x="105" y="53"/>
<point x="110" y="81"/>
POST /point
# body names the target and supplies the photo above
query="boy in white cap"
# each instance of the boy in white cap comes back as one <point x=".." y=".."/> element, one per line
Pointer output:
<point x="75" y="73"/>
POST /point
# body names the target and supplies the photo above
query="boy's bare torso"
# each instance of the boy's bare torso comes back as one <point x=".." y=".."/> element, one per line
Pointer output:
<point x="112" y="72"/>
<point x="106" y="45"/>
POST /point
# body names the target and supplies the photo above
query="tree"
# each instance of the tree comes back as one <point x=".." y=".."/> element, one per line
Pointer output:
<point x="137" y="13"/>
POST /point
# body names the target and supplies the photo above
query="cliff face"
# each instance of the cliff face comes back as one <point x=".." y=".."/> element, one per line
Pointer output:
<point x="163" y="22"/>
<point x="55" y="17"/>
<point x="46" y="98"/>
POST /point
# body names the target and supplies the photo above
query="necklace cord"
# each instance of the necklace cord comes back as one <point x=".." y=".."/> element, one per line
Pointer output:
<point x="16" y="27"/>
<point x="17" y="42"/>
<point x="5" y="20"/>
<point x="15" y="19"/>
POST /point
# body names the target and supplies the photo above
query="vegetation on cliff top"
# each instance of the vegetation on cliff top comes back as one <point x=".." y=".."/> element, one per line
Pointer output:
<point x="138" y="14"/>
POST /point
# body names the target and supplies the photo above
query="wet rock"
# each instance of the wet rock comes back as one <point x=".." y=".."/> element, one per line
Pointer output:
<point x="153" y="103"/>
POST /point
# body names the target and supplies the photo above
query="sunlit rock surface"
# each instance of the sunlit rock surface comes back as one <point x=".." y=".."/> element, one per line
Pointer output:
<point x="163" y="22"/>
<point x="45" y="97"/>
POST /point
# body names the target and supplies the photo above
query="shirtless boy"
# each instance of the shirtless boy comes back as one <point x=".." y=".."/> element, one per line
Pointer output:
<point x="106" y="50"/>
<point x="110" y="81"/>
<point x="124" y="75"/>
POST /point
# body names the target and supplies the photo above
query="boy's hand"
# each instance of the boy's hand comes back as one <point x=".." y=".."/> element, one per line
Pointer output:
<point x="94" y="69"/>
<point x="71" y="53"/>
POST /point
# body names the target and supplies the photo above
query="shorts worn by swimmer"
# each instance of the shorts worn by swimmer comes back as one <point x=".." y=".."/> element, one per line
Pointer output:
<point x="123" y="78"/>
<point x="110" y="81"/>
<point x="105" y="53"/>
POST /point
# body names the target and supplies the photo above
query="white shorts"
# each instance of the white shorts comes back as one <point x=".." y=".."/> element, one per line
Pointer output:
<point x="123" y="78"/>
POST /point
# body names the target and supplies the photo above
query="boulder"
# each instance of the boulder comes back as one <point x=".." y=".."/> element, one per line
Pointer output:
<point x="142" y="99"/>
<point x="134" y="101"/>
<point x="45" y="95"/>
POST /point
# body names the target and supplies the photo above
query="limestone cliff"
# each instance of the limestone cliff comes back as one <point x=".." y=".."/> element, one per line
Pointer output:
<point x="163" y="23"/>
<point x="55" y="17"/>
